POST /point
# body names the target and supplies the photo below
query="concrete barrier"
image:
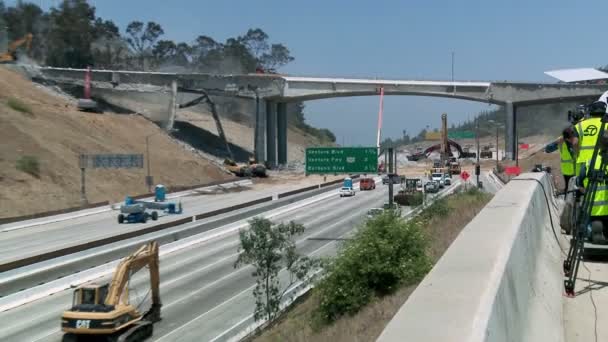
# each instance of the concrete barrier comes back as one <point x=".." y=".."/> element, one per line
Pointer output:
<point x="500" y="280"/>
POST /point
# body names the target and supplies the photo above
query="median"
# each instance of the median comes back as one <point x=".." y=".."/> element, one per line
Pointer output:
<point x="374" y="273"/>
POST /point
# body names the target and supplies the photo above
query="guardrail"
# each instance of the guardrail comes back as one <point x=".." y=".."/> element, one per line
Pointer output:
<point x="500" y="280"/>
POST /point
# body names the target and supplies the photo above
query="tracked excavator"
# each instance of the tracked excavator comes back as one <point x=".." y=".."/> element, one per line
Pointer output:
<point x="11" y="54"/>
<point x="103" y="312"/>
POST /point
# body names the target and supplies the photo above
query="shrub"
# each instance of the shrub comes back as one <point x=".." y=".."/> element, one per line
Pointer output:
<point x="19" y="106"/>
<point x="384" y="254"/>
<point x="29" y="165"/>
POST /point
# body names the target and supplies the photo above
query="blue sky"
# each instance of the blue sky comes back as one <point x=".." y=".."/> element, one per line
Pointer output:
<point x="512" y="40"/>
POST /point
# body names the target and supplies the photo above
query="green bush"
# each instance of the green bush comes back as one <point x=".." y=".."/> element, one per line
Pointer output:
<point x="29" y="165"/>
<point x="19" y="106"/>
<point x="383" y="255"/>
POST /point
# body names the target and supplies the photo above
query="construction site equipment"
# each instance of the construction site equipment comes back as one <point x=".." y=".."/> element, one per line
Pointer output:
<point x="454" y="168"/>
<point x="103" y="311"/>
<point x="409" y="195"/>
<point x="596" y="177"/>
<point x="438" y="147"/>
<point x="137" y="211"/>
<point x="11" y="54"/>
<point x="252" y="169"/>
<point x="485" y="152"/>
<point x="86" y="104"/>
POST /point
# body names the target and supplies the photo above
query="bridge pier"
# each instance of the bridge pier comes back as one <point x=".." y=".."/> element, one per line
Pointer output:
<point x="259" y="149"/>
<point x="511" y="146"/>
<point x="282" y="132"/>
<point x="271" y="133"/>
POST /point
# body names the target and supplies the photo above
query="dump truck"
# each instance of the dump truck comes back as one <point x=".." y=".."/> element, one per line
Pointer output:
<point x="103" y="311"/>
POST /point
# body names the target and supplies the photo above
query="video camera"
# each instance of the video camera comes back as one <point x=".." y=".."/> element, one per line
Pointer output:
<point x="541" y="168"/>
<point x="581" y="112"/>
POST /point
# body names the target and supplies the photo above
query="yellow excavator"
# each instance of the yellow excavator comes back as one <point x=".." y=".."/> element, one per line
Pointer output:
<point x="103" y="311"/>
<point x="11" y="54"/>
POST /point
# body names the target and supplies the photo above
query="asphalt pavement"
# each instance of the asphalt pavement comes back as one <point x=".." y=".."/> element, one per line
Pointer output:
<point x="24" y="242"/>
<point x="203" y="295"/>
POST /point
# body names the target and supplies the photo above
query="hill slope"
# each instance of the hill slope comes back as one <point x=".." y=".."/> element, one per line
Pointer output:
<point x="39" y="123"/>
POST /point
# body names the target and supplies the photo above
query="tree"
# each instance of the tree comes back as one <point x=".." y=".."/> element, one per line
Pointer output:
<point x="256" y="41"/>
<point x="24" y="18"/>
<point x="71" y="33"/>
<point x="141" y="39"/>
<point x="277" y="57"/>
<point x="269" y="248"/>
<point x="108" y="49"/>
<point x="163" y="50"/>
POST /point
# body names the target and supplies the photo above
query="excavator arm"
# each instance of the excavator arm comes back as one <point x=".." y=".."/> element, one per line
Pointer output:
<point x="145" y="255"/>
<point x="9" y="56"/>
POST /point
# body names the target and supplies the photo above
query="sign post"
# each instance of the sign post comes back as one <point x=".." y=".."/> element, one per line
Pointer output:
<point x="461" y="135"/>
<point x="464" y="175"/>
<point x="332" y="160"/>
<point x="106" y="161"/>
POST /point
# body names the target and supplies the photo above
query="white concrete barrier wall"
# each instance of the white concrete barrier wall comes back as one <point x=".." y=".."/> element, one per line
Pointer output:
<point x="500" y="280"/>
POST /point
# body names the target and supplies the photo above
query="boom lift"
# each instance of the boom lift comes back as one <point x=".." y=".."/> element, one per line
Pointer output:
<point x="596" y="177"/>
<point x="104" y="311"/>
<point x="11" y="54"/>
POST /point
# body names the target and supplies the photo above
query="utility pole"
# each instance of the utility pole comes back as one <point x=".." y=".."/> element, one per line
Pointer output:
<point x="390" y="178"/>
<point x="478" y="150"/>
<point x="497" y="148"/>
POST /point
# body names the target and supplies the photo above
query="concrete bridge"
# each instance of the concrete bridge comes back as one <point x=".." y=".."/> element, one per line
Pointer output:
<point x="271" y="93"/>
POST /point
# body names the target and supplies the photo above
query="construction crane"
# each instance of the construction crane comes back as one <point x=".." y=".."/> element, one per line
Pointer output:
<point x="11" y="54"/>
<point x="104" y="311"/>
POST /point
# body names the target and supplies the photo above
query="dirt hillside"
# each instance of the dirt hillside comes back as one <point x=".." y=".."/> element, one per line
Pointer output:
<point x="241" y="133"/>
<point x="47" y="128"/>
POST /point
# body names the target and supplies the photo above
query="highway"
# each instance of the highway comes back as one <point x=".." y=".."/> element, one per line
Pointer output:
<point x="203" y="295"/>
<point x="28" y="241"/>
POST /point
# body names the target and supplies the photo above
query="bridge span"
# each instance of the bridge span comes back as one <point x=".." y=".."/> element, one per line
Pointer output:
<point x="272" y="92"/>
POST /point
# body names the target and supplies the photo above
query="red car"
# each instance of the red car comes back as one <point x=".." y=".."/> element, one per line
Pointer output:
<point x="367" y="184"/>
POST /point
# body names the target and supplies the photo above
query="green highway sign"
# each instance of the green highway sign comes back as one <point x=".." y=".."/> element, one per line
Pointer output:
<point x="321" y="160"/>
<point x="461" y="135"/>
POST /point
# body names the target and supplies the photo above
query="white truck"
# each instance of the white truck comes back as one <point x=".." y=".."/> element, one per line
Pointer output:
<point x="438" y="177"/>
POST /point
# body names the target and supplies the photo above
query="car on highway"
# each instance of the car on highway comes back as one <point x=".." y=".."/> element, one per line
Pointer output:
<point x="367" y="184"/>
<point x="437" y="177"/>
<point x="419" y="186"/>
<point x="347" y="192"/>
<point x="395" y="177"/>
<point x="447" y="181"/>
<point x="374" y="212"/>
<point x="431" y="187"/>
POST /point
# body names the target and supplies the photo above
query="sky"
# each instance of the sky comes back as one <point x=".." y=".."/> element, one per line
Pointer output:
<point x="515" y="40"/>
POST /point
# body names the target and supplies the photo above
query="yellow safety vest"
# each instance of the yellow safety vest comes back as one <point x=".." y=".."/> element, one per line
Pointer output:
<point x="588" y="132"/>
<point x="567" y="162"/>
<point x="600" y="200"/>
